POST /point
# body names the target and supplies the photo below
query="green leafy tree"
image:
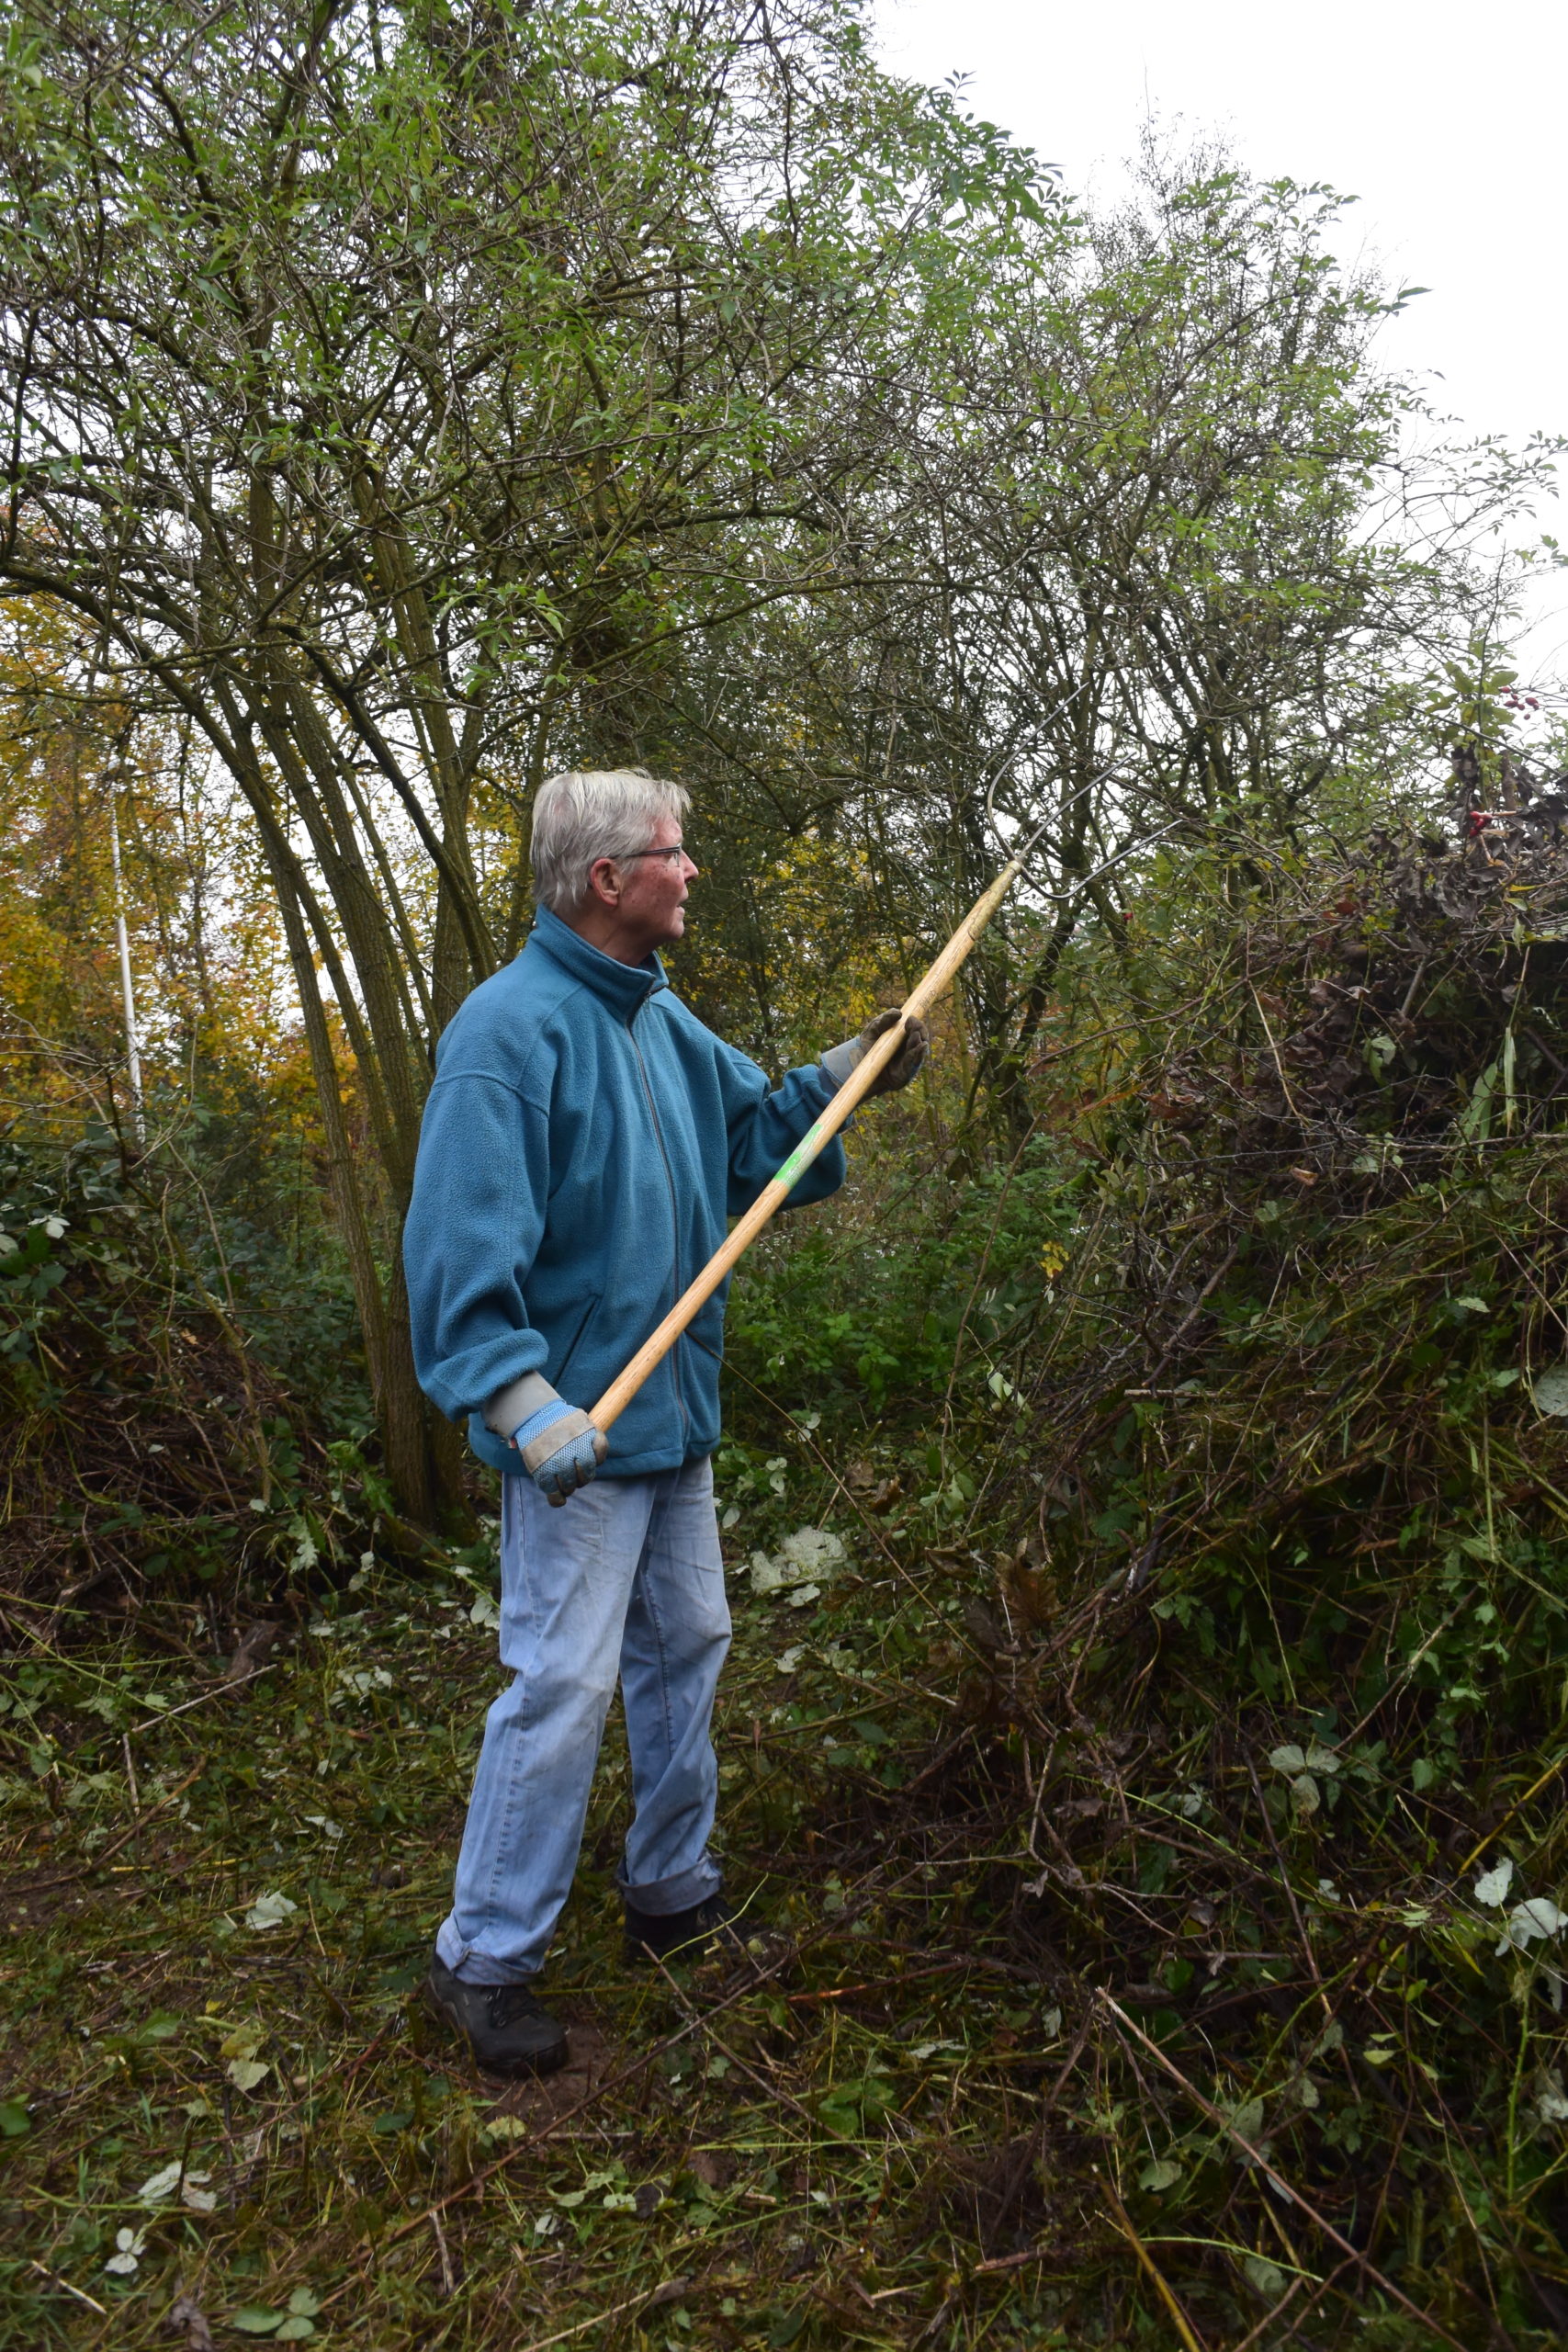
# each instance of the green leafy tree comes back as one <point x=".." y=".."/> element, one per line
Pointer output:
<point x="1150" y="549"/>
<point x="395" y="396"/>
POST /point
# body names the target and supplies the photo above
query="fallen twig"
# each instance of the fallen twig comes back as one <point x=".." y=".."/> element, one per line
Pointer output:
<point x="769" y="2090"/>
<point x="1167" y="2293"/>
<point x="1316" y="2296"/>
<point x="69" y="1878"/>
<point x="218" y="1690"/>
<point x="67" y="2288"/>
<point x="651" y="2297"/>
<point x="1272" y="2173"/>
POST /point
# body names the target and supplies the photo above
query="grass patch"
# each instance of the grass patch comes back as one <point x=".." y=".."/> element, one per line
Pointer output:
<point x="228" y="2112"/>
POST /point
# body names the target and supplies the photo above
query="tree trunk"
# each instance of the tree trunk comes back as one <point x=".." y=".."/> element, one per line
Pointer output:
<point x="422" y="1454"/>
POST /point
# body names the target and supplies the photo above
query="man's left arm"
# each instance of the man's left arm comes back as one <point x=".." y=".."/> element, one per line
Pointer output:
<point x="765" y="1128"/>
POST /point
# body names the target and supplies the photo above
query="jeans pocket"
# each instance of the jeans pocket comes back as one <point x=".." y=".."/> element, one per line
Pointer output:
<point x="544" y="1547"/>
<point x="691" y="1528"/>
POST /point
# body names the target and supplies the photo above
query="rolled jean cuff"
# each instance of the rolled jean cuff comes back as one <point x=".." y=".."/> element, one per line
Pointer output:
<point x="664" y="1896"/>
<point x="473" y="1966"/>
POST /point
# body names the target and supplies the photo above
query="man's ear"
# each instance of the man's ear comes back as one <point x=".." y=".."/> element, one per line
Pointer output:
<point x="607" y="892"/>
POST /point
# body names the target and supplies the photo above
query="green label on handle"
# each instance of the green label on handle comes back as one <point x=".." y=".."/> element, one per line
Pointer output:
<point x="801" y="1158"/>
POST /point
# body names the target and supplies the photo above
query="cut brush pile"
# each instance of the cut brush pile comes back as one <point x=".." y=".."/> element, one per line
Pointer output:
<point x="1280" y="1657"/>
<point x="165" y="1405"/>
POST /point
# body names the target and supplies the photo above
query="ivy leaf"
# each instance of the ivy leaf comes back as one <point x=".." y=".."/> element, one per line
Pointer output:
<point x="246" y="2073"/>
<point x="1288" y="1759"/>
<point x="1550" y="2105"/>
<point x="1493" y="1884"/>
<point x="1161" y="2174"/>
<point x="571" y="2198"/>
<point x="1533" y="1922"/>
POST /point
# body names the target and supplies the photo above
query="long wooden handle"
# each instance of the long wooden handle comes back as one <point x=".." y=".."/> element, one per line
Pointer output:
<point x="654" y="1350"/>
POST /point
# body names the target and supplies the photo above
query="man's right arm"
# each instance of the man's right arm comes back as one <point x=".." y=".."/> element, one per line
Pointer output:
<point x="473" y="1227"/>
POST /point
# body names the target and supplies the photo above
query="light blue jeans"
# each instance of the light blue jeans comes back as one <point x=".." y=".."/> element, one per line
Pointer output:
<point x="627" y="1577"/>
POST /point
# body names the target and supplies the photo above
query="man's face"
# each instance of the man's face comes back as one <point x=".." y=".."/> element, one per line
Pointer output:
<point x="650" y="890"/>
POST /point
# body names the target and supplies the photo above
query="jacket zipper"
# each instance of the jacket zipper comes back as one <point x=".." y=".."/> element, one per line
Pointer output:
<point x="674" y="1213"/>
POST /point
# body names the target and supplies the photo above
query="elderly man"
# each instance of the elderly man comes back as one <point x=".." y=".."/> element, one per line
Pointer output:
<point x="585" y="1139"/>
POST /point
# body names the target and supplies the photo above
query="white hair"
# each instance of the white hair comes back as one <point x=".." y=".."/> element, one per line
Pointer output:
<point x="590" y="813"/>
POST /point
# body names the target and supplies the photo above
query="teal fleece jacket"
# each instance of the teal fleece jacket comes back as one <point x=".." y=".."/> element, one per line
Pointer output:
<point x="585" y="1141"/>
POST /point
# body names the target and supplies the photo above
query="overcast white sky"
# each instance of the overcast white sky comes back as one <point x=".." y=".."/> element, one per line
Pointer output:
<point x="1446" y="125"/>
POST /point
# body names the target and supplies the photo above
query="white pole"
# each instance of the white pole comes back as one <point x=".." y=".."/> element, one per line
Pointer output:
<point x="128" y="993"/>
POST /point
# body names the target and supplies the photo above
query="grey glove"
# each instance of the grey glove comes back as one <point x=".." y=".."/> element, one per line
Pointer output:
<point x="838" y="1060"/>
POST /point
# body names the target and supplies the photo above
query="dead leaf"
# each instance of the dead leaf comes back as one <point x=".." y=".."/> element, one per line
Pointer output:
<point x="254" y="1648"/>
<point x="184" y="2312"/>
<point x="982" y="1625"/>
<point x="710" y="2168"/>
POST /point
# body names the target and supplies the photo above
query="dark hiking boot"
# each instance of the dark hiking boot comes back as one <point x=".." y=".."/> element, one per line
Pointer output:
<point x="503" y="2025"/>
<point x="677" y="1935"/>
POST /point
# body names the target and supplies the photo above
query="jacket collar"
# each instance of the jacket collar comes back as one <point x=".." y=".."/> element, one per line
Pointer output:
<point x="623" y="987"/>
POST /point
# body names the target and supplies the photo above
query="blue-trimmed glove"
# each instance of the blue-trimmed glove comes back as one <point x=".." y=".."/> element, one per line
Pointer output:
<point x="561" y="1449"/>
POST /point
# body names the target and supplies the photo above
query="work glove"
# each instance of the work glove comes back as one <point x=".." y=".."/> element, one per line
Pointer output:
<point x="564" y="1455"/>
<point x="561" y="1447"/>
<point x="838" y="1060"/>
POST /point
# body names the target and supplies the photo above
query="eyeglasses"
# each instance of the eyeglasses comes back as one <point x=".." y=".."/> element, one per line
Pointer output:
<point x="676" y="849"/>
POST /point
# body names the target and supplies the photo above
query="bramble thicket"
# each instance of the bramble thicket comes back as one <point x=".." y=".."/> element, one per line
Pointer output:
<point x="1145" y="1485"/>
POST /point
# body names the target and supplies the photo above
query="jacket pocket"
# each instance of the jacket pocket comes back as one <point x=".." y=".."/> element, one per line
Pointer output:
<point x="575" y="1342"/>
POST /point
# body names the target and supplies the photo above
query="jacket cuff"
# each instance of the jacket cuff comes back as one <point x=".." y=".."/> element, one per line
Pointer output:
<point x="561" y="1431"/>
<point x="518" y="1402"/>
